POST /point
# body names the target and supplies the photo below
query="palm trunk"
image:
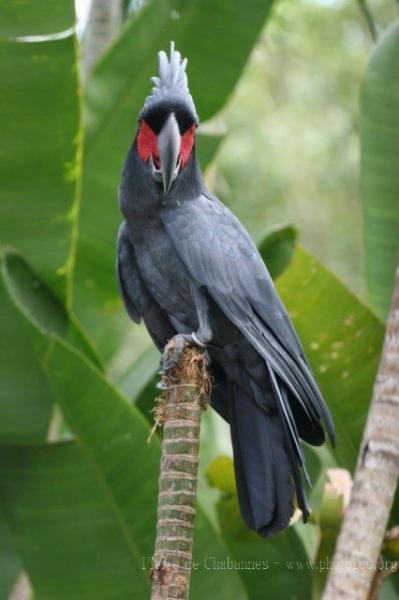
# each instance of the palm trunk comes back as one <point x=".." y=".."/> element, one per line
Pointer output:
<point x="365" y="520"/>
<point x="179" y="411"/>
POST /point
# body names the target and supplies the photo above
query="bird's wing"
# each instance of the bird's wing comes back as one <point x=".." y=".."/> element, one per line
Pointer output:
<point x="138" y="301"/>
<point x="140" y="305"/>
<point x="221" y="256"/>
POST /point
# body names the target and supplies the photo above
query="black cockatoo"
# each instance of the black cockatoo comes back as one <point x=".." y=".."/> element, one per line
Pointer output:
<point x="188" y="268"/>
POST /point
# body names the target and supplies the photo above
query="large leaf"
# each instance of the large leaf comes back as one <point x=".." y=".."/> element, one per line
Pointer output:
<point x="64" y="527"/>
<point x="30" y="18"/>
<point x="380" y="172"/>
<point x="40" y="305"/>
<point x="102" y="491"/>
<point x="39" y="147"/>
<point x="25" y="398"/>
<point x="207" y="147"/>
<point x="277" y="249"/>
<point x="342" y="339"/>
<point x="139" y="381"/>
<point x="206" y="31"/>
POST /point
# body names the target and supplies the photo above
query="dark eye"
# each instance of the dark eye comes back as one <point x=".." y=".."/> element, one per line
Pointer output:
<point x="157" y="115"/>
<point x="184" y="119"/>
<point x="156" y="119"/>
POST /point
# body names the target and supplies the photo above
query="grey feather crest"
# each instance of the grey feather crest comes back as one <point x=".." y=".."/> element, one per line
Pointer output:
<point x="172" y="82"/>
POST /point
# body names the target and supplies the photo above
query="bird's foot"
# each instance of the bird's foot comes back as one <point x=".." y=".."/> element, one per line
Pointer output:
<point x="197" y="340"/>
<point x="173" y="351"/>
<point x="171" y="355"/>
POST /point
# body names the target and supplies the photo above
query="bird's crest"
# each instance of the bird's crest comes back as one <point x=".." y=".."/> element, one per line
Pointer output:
<point x="172" y="82"/>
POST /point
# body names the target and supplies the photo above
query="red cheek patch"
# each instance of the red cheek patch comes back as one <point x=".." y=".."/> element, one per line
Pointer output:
<point x="186" y="146"/>
<point x="147" y="144"/>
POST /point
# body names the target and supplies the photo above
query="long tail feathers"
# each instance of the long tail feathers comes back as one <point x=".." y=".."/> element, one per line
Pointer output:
<point x="263" y="472"/>
<point x="267" y="426"/>
<point x="293" y="445"/>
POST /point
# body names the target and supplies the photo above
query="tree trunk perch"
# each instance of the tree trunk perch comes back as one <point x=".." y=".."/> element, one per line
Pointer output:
<point x="365" y="520"/>
<point x="179" y="411"/>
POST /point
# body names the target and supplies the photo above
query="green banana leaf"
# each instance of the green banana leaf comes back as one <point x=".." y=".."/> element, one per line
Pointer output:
<point x="30" y="18"/>
<point x="114" y="95"/>
<point x="379" y="168"/>
<point x="26" y="401"/>
<point x="342" y="339"/>
<point x="64" y="526"/>
<point x="277" y="249"/>
<point x="82" y="514"/>
<point x="40" y="140"/>
<point x="139" y="380"/>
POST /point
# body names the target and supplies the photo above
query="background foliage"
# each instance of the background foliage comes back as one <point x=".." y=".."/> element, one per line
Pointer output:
<point x="278" y="94"/>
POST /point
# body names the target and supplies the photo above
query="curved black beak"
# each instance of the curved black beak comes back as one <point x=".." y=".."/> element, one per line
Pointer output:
<point x="169" y="147"/>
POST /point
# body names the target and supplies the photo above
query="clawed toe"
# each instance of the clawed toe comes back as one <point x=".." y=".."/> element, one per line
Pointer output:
<point x="171" y="355"/>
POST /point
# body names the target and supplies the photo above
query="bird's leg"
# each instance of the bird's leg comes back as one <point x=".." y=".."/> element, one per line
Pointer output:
<point x="200" y="338"/>
<point x="204" y="333"/>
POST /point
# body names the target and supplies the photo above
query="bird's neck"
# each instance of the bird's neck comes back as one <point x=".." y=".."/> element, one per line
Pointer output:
<point x="189" y="184"/>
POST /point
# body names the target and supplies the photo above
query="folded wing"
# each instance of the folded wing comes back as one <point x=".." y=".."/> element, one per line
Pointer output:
<point x="221" y="256"/>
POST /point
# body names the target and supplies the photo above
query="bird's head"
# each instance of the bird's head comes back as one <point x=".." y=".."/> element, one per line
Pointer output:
<point x="167" y="122"/>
